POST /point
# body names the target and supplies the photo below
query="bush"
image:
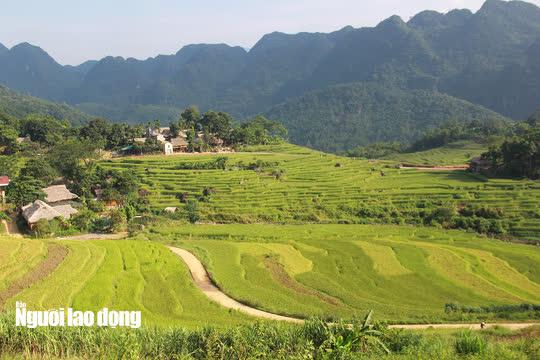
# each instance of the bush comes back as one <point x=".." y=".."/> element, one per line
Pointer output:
<point x="83" y="220"/>
<point x="182" y="197"/>
<point x="4" y="216"/>
<point x="469" y="343"/>
<point x="192" y="210"/>
<point x="41" y="228"/>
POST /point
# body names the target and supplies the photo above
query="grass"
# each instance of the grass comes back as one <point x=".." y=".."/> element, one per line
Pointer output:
<point x="405" y="274"/>
<point x="324" y="188"/>
<point x="123" y="275"/>
<point x="313" y="340"/>
<point x="457" y="153"/>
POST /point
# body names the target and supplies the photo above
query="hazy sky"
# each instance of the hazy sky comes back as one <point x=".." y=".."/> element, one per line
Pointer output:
<point x="73" y="31"/>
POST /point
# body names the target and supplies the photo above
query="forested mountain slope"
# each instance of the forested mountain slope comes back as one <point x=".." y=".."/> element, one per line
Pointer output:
<point x="345" y="116"/>
<point x="19" y="106"/>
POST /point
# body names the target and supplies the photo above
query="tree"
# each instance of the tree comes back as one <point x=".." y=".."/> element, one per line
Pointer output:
<point x="518" y="156"/>
<point x="260" y="131"/>
<point x="8" y="139"/>
<point x="70" y="157"/>
<point x="174" y="126"/>
<point x="191" y="117"/>
<point x="10" y="165"/>
<point x="97" y="131"/>
<point x="217" y="124"/>
<point x="24" y="190"/>
<point x="43" y="129"/>
<point x="39" y="168"/>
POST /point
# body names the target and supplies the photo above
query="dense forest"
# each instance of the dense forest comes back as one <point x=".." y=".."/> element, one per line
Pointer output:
<point x="19" y="106"/>
<point x="346" y="116"/>
<point x="466" y="55"/>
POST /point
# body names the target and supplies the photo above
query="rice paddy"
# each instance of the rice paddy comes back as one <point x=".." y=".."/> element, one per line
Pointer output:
<point x="405" y="274"/>
<point x="457" y="153"/>
<point x="297" y="185"/>
<point x="122" y="275"/>
<point x="292" y="243"/>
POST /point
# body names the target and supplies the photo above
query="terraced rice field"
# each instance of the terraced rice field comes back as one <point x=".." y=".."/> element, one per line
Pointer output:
<point x="456" y="153"/>
<point x="122" y="275"/>
<point x="405" y="274"/>
<point x="17" y="257"/>
<point x="323" y="188"/>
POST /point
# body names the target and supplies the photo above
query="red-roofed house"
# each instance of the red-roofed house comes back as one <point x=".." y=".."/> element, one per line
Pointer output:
<point x="4" y="181"/>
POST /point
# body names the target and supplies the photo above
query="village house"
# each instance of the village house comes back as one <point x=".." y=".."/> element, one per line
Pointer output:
<point x="59" y="195"/>
<point x="179" y="144"/>
<point x="58" y="203"/>
<point x="40" y="210"/>
<point x="161" y="134"/>
<point x="168" y="148"/>
<point x="4" y="182"/>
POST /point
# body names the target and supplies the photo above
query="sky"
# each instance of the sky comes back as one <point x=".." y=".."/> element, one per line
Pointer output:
<point x="74" y="31"/>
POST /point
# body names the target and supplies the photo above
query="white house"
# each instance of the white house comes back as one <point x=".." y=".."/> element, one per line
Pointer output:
<point x="168" y="148"/>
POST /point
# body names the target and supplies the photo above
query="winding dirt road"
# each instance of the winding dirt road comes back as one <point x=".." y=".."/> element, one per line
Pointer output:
<point x="203" y="282"/>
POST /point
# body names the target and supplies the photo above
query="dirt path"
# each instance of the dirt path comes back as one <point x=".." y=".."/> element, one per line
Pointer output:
<point x="203" y="282"/>
<point x="510" y="326"/>
<point x="435" y="168"/>
<point x="55" y="256"/>
<point x="11" y="228"/>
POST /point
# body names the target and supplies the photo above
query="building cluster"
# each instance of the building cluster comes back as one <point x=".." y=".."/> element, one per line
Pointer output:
<point x="176" y="144"/>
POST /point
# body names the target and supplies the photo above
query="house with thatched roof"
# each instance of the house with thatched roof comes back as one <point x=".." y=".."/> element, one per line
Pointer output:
<point x="58" y="195"/>
<point x="179" y="144"/>
<point x="39" y="210"/>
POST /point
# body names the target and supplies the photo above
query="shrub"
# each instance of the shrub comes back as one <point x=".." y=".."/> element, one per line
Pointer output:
<point x="182" y="197"/>
<point x="4" y="216"/>
<point x="398" y="341"/>
<point x="83" y="220"/>
<point x="192" y="210"/>
<point x="117" y="221"/>
<point x="469" y="343"/>
<point x="41" y="228"/>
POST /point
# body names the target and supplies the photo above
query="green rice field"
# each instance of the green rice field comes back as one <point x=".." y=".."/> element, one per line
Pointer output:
<point x="404" y="274"/>
<point x="314" y="187"/>
<point x="457" y="153"/>
<point x="122" y="275"/>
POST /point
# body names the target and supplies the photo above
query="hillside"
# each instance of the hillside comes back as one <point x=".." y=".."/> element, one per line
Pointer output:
<point x="456" y="153"/>
<point x="345" y="116"/>
<point x="19" y="106"/>
<point x="462" y="54"/>
<point x="290" y="184"/>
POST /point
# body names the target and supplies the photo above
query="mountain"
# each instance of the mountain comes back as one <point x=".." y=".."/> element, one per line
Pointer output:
<point x="345" y="116"/>
<point x="19" y="106"/>
<point x="489" y="58"/>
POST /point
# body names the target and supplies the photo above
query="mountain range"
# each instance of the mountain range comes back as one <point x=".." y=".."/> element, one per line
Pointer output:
<point x="488" y="58"/>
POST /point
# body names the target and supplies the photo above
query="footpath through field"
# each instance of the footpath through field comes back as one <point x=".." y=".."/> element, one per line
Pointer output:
<point x="203" y="282"/>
